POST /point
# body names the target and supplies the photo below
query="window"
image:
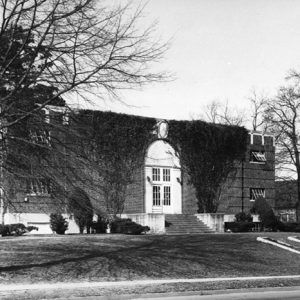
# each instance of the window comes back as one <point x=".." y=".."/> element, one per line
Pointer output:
<point x="56" y="118"/>
<point x="257" y="156"/>
<point x="256" y="193"/>
<point x="40" y="137"/>
<point x="166" y="175"/>
<point x="66" y="119"/>
<point x="156" y="195"/>
<point x="37" y="187"/>
<point x="167" y="195"/>
<point x="155" y="174"/>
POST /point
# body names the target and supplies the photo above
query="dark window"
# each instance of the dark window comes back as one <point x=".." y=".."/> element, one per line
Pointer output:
<point x="258" y="156"/>
<point x="256" y="193"/>
<point x="167" y="195"/>
<point x="155" y="174"/>
<point x="156" y="195"/>
<point x="166" y="175"/>
<point x="37" y="186"/>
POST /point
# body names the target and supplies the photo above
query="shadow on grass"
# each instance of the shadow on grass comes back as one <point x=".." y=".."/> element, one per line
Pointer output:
<point x="166" y="256"/>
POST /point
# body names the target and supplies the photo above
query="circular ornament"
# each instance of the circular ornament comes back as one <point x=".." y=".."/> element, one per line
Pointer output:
<point x="163" y="129"/>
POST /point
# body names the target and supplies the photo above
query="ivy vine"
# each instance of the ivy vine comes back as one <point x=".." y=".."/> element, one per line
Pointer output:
<point x="117" y="143"/>
<point x="208" y="153"/>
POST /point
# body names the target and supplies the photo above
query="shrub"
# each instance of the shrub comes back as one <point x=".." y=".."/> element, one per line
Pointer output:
<point x="30" y="228"/>
<point x="100" y="226"/>
<point x="15" y="229"/>
<point x="4" y="230"/>
<point x="80" y="205"/>
<point x="266" y="215"/>
<point x="239" y="226"/>
<point x="58" y="223"/>
<point x="243" y="217"/>
<point x="290" y="227"/>
<point x="127" y="226"/>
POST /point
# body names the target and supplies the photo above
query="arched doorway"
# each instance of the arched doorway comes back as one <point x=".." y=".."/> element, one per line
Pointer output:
<point x="163" y="179"/>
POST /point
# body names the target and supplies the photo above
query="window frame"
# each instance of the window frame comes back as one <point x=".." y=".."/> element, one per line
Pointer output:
<point x="167" y="195"/>
<point x="254" y="157"/>
<point x="155" y="175"/>
<point x="38" y="187"/>
<point x="166" y="175"/>
<point x="156" y="199"/>
<point x="258" y="194"/>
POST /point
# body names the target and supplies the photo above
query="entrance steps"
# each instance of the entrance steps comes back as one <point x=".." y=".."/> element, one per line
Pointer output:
<point x="185" y="224"/>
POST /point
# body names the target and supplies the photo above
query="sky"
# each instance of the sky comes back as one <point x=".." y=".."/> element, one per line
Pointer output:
<point x="220" y="50"/>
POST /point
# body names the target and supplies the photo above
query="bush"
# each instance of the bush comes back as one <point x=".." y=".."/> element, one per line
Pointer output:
<point x="4" y="230"/>
<point x="80" y="205"/>
<point x="290" y="227"/>
<point x="99" y="226"/>
<point x="30" y="228"/>
<point x="243" y="217"/>
<point x="58" y="223"/>
<point x="240" y="226"/>
<point x="266" y="215"/>
<point x="15" y="229"/>
<point x="127" y="226"/>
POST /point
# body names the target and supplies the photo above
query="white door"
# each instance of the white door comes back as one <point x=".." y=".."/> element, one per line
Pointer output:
<point x="162" y="179"/>
<point x="162" y="188"/>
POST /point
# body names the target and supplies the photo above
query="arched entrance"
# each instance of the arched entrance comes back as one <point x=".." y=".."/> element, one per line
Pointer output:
<point x="163" y="179"/>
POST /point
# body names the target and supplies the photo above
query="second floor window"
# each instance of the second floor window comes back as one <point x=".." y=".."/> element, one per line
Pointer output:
<point x="258" y="156"/>
<point x="256" y="193"/>
<point x="40" y="137"/>
<point x="37" y="187"/>
<point x="166" y="175"/>
<point x="155" y="174"/>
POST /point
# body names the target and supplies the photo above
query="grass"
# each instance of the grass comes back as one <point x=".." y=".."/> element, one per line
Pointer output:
<point x="123" y="257"/>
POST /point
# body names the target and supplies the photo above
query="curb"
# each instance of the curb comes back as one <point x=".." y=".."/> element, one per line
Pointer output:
<point x="278" y="244"/>
<point x="294" y="239"/>
<point x="104" y="284"/>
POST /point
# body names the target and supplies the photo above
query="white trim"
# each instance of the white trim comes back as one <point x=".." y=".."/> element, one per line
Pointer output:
<point x="294" y="239"/>
<point x="126" y="283"/>
<point x="162" y="166"/>
<point x="266" y="241"/>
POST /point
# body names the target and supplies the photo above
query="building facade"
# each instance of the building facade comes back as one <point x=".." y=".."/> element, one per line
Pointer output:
<point x="161" y="186"/>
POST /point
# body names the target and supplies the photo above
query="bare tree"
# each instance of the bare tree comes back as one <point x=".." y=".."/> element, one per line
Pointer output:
<point x="258" y="103"/>
<point x="283" y="114"/>
<point x="77" y="46"/>
<point x="50" y="49"/>
<point x="212" y="111"/>
<point x="217" y="112"/>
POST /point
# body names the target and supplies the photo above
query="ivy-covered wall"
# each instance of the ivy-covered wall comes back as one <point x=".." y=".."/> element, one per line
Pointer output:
<point x="115" y="146"/>
<point x="208" y="154"/>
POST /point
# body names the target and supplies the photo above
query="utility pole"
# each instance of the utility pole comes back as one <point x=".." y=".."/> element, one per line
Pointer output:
<point x="2" y="141"/>
<point x="3" y="133"/>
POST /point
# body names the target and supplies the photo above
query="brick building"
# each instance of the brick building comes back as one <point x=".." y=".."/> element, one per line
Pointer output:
<point x="161" y="194"/>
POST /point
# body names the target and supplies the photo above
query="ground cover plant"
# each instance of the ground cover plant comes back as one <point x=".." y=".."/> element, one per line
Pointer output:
<point x="123" y="257"/>
<point x="127" y="226"/>
<point x="15" y="229"/>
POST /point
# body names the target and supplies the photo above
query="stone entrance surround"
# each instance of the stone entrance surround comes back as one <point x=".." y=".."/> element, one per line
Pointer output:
<point x="156" y="222"/>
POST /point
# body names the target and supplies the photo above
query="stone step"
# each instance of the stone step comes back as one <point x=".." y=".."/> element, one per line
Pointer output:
<point x="185" y="224"/>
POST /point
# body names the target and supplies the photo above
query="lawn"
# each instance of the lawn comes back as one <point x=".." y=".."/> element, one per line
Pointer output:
<point x="123" y="257"/>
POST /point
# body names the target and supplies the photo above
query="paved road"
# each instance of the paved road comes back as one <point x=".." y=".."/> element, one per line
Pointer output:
<point x="267" y="295"/>
<point x="285" y="293"/>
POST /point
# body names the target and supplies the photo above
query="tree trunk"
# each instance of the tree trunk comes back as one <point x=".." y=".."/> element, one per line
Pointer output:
<point x="2" y="211"/>
<point x="297" y="206"/>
